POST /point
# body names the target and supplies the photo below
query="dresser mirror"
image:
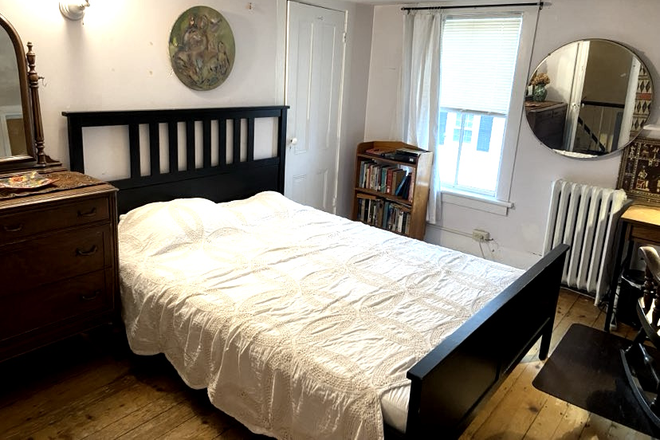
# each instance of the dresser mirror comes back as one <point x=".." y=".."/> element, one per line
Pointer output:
<point x="21" y="139"/>
<point x="589" y="98"/>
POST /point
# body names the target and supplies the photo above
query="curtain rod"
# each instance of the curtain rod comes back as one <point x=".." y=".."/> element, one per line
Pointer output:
<point x="430" y="8"/>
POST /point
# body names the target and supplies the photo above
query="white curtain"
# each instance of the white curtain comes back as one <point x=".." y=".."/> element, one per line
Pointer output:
<point x="419" y="94"/>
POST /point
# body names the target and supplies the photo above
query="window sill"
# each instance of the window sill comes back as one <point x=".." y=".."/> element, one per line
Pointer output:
<point x="473" y="201"/>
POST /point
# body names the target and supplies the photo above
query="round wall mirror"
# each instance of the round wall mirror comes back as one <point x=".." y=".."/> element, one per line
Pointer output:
<point x="589" y="98"/>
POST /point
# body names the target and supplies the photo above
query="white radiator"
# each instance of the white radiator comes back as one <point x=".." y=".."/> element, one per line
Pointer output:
<point x="584" y="217"/>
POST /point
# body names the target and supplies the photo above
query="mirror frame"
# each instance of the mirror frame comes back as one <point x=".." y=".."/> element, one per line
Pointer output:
<point x="27" y="104"/>
<point x="617" y="149"/>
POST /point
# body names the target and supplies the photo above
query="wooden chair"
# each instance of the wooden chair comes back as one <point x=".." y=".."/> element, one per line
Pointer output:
<point x="640" y="367"/>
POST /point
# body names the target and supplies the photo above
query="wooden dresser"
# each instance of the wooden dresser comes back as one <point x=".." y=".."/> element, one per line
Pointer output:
<point x="58" y="262"/>
<point x="547" y="120"/>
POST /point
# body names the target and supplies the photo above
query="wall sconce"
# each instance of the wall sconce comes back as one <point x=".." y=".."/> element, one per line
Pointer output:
<point x="73" y="10"/>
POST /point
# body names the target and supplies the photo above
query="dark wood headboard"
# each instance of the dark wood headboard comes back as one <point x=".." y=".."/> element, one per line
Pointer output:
<point x="218" y="182"/>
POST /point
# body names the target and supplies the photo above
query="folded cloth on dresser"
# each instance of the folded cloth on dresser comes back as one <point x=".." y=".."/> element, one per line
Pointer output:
<point x="301" y="324"/>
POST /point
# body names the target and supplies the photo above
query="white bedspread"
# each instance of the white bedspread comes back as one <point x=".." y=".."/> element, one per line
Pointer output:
<point x="301" y="324"/>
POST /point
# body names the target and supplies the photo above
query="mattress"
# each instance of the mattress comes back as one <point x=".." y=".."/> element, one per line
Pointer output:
<point x="299" y="323"/>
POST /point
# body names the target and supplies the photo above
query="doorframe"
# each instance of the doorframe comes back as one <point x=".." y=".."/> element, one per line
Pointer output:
<point x="629" y="107"/>
<point x="340" y="104"/>
<point x="575" y="100"/>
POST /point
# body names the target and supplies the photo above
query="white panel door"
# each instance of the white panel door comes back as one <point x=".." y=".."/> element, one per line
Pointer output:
<point x="314" y="69"/>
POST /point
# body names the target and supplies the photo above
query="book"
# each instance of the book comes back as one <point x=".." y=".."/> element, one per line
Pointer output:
<point x="399" y="222"/>
<point x="397" y="176"/>
<point x="402" y="190"/>
<point x="364" y="205"/>
<point x="388" y="180"/>
<point x="378" y="220"/>
<point x="364" y="173"/>
<point x="369" y="182"/>
<point x="411" y="190"/>
<point x="387" y="212"/>
<point x="383" y="179"/>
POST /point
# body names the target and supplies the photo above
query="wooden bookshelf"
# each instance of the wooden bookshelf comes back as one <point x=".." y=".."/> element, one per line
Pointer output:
<point x="380" y="200"/>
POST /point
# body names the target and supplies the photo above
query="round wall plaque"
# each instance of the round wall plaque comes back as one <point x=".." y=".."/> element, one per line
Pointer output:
<point x="202" y="48"/>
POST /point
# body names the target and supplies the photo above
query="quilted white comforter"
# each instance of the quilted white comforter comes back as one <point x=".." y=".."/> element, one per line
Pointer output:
<point x="301" y="324"/>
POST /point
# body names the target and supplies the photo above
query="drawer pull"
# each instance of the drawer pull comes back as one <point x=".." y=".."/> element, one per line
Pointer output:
<point x="14" y="228"/>
<point x="90" y="296"/>
<point x="92" y="251"/>
<point x="90" y="213"/>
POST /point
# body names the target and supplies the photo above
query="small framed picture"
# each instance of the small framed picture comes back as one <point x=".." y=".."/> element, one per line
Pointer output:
<point x="639" y="172"/>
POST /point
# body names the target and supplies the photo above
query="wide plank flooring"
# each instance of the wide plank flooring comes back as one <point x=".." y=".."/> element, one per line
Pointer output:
<point x="92" y="387"/>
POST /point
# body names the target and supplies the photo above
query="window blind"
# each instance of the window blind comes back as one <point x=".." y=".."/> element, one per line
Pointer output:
<point x="478" y="60"/>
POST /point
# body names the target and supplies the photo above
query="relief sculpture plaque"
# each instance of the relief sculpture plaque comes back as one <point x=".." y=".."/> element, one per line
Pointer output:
<point x="202" y="48"/>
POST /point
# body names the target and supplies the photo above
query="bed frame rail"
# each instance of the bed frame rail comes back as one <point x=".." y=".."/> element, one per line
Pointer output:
<point x="221" y="182"/>
<point x="450" y="383"/>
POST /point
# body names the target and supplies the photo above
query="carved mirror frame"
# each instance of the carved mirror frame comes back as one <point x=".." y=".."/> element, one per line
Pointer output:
<point x="28" y="84"/>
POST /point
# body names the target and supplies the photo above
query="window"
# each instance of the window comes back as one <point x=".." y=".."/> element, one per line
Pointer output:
<point x="478" y="63"/>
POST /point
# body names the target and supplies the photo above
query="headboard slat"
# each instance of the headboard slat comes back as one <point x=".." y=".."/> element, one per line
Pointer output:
<point x="250" y="139"/>
<point x="237" y="141"/>
<point x="154" y="148"/>
<point x="222" y="142"/>
<point x="218" y="183"/>
<point x="190" y="145"/>
<point x="134" y="145"/>
<point x="173" y="148"/>
<point x="206" y="139"/>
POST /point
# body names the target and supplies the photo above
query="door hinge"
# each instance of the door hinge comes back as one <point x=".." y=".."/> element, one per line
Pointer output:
<point x="344" y="37"/>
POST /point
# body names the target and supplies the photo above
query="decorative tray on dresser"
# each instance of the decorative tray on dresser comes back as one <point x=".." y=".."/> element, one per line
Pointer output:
<point x="58" y="261"/>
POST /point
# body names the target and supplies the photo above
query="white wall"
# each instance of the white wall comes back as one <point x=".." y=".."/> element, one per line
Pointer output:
<point x="117" y="58"/>
<point x="519" y="235"/>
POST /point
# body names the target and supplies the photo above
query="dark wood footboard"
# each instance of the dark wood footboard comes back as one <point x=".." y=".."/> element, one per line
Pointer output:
<point x="450" y="383"/>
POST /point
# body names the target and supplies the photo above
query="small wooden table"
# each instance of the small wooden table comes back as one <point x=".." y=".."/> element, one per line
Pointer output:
<point x="641" y="224"/>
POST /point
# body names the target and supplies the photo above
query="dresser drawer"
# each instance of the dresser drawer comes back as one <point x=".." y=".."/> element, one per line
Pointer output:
<point x="53" y="258"/>
<point x="30" y="222"/>
<point x="44" y="306"/>
<point x="552" y="113"/>
<point x="645" y="234"/>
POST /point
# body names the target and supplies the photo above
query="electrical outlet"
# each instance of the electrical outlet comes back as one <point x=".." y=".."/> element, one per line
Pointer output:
<point x="480" y="235"/>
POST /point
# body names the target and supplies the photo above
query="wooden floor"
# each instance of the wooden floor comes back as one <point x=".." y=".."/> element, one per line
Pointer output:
<point x="93" y="388"/>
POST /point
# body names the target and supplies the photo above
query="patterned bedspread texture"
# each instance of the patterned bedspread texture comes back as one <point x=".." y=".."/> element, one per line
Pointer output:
<point x="296" y="321"/>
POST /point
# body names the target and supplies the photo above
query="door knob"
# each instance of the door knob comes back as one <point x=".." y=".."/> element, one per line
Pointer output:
<point x="293" y="141"/>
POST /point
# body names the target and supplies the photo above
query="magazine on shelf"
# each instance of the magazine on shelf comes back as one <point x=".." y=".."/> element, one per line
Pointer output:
<point x="409" y="152"/>
<point x="401" y="157"/>
<point x="377" y="151"/>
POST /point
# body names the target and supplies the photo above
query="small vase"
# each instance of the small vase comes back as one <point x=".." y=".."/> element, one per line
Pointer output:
<point x="540" y="93"/>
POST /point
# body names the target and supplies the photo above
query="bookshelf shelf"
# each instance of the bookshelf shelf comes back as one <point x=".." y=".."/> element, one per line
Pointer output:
<point x="392" y="186"/>
<point x="389" y="197"/>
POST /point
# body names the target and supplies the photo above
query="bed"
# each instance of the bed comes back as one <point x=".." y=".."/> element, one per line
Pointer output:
<point x="214" y="262"/>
